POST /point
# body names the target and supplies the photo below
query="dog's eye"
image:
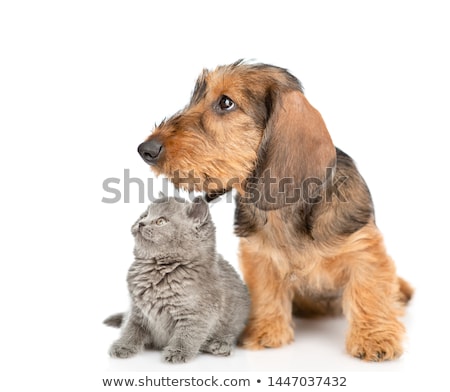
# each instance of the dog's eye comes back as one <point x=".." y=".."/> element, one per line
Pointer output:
<point x="161" y="221"/>
<point x="226" y="103"/>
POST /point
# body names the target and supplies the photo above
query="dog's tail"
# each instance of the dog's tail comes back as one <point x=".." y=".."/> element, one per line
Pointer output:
<point x="406" y="291"/>
<point x="115" y="320"/>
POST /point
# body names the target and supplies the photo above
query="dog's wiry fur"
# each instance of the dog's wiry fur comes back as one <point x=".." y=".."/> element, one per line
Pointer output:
<point x="312" y="256"/>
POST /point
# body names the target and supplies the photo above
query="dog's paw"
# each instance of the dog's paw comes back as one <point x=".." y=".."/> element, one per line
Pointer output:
<point x="267" y="334"/>
<point x="119" y="350"/>
<point x="375" y="346"/>
<point x="176" y="355"/>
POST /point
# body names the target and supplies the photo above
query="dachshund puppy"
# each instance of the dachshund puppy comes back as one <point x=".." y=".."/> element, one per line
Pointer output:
<point x="308" y="240"/>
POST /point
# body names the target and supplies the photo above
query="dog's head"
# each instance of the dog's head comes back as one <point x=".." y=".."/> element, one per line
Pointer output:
<point x="247" y="126"/>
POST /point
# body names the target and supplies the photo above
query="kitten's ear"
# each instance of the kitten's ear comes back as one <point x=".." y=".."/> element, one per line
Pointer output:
<point x="198" y="210"/>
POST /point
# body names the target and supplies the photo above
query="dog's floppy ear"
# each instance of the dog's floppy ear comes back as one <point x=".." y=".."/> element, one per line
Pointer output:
<point x="295" y="151"/>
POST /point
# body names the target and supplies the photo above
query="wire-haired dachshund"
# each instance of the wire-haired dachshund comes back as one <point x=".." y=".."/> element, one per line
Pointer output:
<point x="308" y="239"/>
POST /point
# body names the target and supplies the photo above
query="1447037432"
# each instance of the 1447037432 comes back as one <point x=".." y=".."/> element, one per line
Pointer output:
<point x="308" y="381"/>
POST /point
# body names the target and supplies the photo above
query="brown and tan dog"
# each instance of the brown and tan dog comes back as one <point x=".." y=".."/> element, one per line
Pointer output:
<point x="309" y="242"/>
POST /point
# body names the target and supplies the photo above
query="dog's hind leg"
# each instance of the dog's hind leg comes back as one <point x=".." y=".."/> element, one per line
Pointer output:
<point x="405" y="291"/>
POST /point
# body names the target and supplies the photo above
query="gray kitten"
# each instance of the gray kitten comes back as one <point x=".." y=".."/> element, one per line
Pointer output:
<point x="185" y="297"/>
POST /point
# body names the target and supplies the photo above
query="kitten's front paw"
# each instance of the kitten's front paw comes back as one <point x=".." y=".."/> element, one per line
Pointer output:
<point x="119" y="350"/>
<point x="218" y="347"/>
<point x="176" y="355"/>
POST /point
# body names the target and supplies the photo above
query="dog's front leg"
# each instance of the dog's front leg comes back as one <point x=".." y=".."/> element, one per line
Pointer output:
<point x="370" y="302"/>
<point x="270" y="323"/>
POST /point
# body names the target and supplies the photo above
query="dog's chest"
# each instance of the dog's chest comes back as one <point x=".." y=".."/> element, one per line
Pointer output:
<point x="298" y="260"/>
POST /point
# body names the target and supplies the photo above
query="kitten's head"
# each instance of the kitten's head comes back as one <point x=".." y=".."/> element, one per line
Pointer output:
<point x="172" y="224"/>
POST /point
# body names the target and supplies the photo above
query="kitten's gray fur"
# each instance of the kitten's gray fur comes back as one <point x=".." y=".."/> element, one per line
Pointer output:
<point x="185" y="297"/>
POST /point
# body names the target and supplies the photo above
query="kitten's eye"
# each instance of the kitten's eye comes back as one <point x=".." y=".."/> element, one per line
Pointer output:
<point x="161" y="221"/>
<point x="226" y="103"/>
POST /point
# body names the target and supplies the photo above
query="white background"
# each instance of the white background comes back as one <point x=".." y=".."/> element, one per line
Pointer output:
<point x="82" y="84"/>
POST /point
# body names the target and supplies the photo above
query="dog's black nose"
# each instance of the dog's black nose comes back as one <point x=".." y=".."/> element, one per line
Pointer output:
<point x="150" y="151"/>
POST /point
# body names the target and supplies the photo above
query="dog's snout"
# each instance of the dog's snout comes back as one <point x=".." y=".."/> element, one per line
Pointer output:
<point x="151" y="151"/>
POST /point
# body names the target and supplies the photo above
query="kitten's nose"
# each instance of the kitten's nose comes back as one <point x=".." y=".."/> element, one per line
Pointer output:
<point x="151" y="151"/>
<point x="141" y="224"/>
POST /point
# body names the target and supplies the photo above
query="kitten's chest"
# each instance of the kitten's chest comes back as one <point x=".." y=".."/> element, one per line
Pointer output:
<point x="151" y="289"/>
<point x="160" y="296"/>
<point x="158" y="291"/>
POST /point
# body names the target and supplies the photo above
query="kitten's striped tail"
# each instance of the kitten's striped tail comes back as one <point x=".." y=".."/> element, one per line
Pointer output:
<point x="115" y="320"/>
